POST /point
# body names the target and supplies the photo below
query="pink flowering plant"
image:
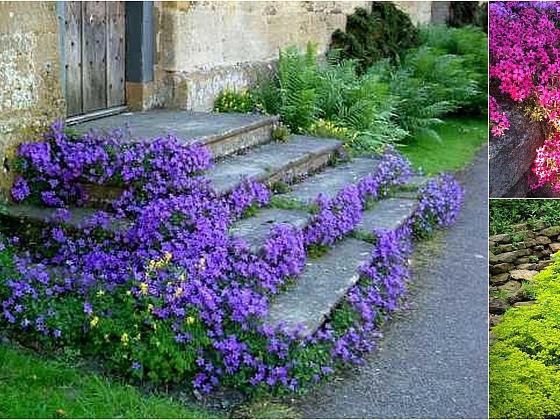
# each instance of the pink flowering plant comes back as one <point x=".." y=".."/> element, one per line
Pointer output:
<point x="159" y="290"/>
<point x="525" y="66"/>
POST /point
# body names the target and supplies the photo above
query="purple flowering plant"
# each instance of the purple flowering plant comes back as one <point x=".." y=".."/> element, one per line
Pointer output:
<point x="172" y="296"/>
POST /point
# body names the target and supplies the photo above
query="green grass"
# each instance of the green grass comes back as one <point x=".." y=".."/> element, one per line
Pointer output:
<point x="31" y="387"/>
<point x="461" y="139"/>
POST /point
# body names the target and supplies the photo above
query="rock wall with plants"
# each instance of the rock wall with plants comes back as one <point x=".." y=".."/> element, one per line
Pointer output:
<point x="523" y="71"/>
<point x="515" y="258"/>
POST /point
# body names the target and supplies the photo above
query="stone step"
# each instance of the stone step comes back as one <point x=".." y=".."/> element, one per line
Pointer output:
<point x="320" y="288"/>
<point x="224" y="134"/>
<point x="27" y="222"/>
<point x="410" y="190"/>
<point x="275" y="161"/>
<point x="332" y="180"/>
<point x="389" y="214"/>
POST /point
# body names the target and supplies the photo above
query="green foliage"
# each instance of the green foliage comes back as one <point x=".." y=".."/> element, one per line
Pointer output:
<point x="525" y="361"/>
<point x="470" y="44"/>
<point x="385" y="32"/>
<point x="281" y="133"/>
<point x="232" y="101"/>
<point x="297" y="76"/>
<point x="504" y="213"/>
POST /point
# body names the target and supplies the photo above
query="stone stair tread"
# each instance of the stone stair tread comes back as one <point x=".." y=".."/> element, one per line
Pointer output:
<point x="332" y="180"/>
<point x="269" y="159"/>
<point x="255" y="229"/>
<point x="187" y="125"/>
<point x="412" y="185"/>
<point x="389" y="213"/>
<point x="41" y="215"/>
<point x="322" y="285"/>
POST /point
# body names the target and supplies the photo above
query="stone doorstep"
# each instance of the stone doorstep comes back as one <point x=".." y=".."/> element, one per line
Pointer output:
<point x="320" y="288"/>
<point x="274" y="162"/>
<point x="223" y="133"/>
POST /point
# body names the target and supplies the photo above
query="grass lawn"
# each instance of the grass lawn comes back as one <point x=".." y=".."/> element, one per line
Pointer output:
<point x="31" y="387"/>
<point x="461" y="139"/>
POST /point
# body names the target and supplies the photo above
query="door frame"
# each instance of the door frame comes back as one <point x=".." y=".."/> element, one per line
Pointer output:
<point x="139" y="52"/>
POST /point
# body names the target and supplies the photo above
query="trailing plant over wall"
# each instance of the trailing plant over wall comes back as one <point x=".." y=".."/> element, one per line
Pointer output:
<point x="385" y="32"/>
<point x="172" y="296"/>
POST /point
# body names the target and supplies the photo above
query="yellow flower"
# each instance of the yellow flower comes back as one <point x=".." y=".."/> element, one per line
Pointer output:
<point x="94" y="321"/>
<point x="128" y="292"/>
<point x="182" y="277"/>
<point x="167" y="256"/>
<point x="150" y="307"/>
<point x="178" y="292"/>
<point x="152" y="264"/>
<point x="144" y="288"/>
<point x="137" y="336"/>
<point x="124" y="338"/>
<point x="190" y="320"/>
<point x="100" y="293"/>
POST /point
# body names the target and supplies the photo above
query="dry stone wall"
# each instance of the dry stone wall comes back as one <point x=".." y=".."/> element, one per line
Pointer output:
<point x="515" y="258"/>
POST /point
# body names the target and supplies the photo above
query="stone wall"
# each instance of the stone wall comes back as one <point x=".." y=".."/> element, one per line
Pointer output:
<point x="30" y="93"/>
<point x="204" y="47"/>
<point x="515" y="258"/>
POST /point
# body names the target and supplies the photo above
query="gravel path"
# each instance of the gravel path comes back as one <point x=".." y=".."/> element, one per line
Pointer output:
<point x="433" y="359"/>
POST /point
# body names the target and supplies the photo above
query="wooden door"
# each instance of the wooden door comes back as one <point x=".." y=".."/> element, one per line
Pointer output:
<point x="94" y="55"/>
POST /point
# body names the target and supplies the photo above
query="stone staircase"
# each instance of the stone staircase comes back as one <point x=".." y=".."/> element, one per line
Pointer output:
<point x="243" y="148"/>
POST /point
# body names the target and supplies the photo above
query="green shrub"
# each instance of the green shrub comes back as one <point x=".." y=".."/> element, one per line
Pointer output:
<point x="385" y="32"/>
<point x="525" y="361"/>
<point x="232" y="101"/>
<point x="504" y="213"/>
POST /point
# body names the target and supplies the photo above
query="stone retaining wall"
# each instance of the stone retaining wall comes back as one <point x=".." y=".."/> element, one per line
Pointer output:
<point x="515" y="258"/>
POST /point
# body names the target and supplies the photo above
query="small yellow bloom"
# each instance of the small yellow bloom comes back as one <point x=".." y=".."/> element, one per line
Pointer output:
<point x="167" y="256"/>
<point x="106" y="337"/>
<point x="100" y="293"/>
<point x="125" y="339"/>
<point x="144" y="288"/>
<point x="182" y="277"/>
<point x="178" y="292"/>
<point x="137" y="337"/>
<point x="128" y="292"/>
<point x="94" y="321"/>
<point x="190" y="320"/>
<point x="150" y="307"/>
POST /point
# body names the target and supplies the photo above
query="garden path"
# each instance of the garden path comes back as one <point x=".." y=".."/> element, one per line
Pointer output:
<point x="432" y="361"/>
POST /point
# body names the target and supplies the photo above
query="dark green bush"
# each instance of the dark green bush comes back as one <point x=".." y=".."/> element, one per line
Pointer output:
<point x="462" y="13"/>
<point x="385" y="32"/>
<point x="507" y="212"/>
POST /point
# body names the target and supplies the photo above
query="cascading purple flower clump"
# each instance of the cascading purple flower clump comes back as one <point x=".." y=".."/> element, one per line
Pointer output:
<point x="166" y="293"/>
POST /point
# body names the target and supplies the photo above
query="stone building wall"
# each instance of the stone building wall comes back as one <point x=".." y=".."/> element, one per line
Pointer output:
<point x="205" y="47"/>
<point x="515" y="258"/>
<point x="30" y="93"/>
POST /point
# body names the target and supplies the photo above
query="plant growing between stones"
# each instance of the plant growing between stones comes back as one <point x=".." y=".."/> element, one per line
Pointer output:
<point x="172" y="297"/>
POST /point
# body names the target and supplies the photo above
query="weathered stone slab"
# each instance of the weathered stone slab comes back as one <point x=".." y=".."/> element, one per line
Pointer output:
<point x="543" y="264"/>
<point x="555" y="247"/>
<point x="510" y="256"/>
<point x="523" y="274"/>
<point x="497" y="306"/>
<point x="522" y="260"/>
<point x="511" y="156"/>
<point x="501" y="268"/>
<point x="274" y="161"/>
<point x="551" y="231"/>
<point x="388" y="214"/>
<point x="543" y="240"/>
<point x="501" y="239"/>
<point x="224" y="133"/>
<point x="529" y="266"/>
<point x="255" y="229"/>
<point x="506" y="248"/>
<point x="510" y="286"/>
<point x="321" y="286"/>
<point x="529" y="242"/>
<point x="499" y="278"/>
<point x="332" y="180"/>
